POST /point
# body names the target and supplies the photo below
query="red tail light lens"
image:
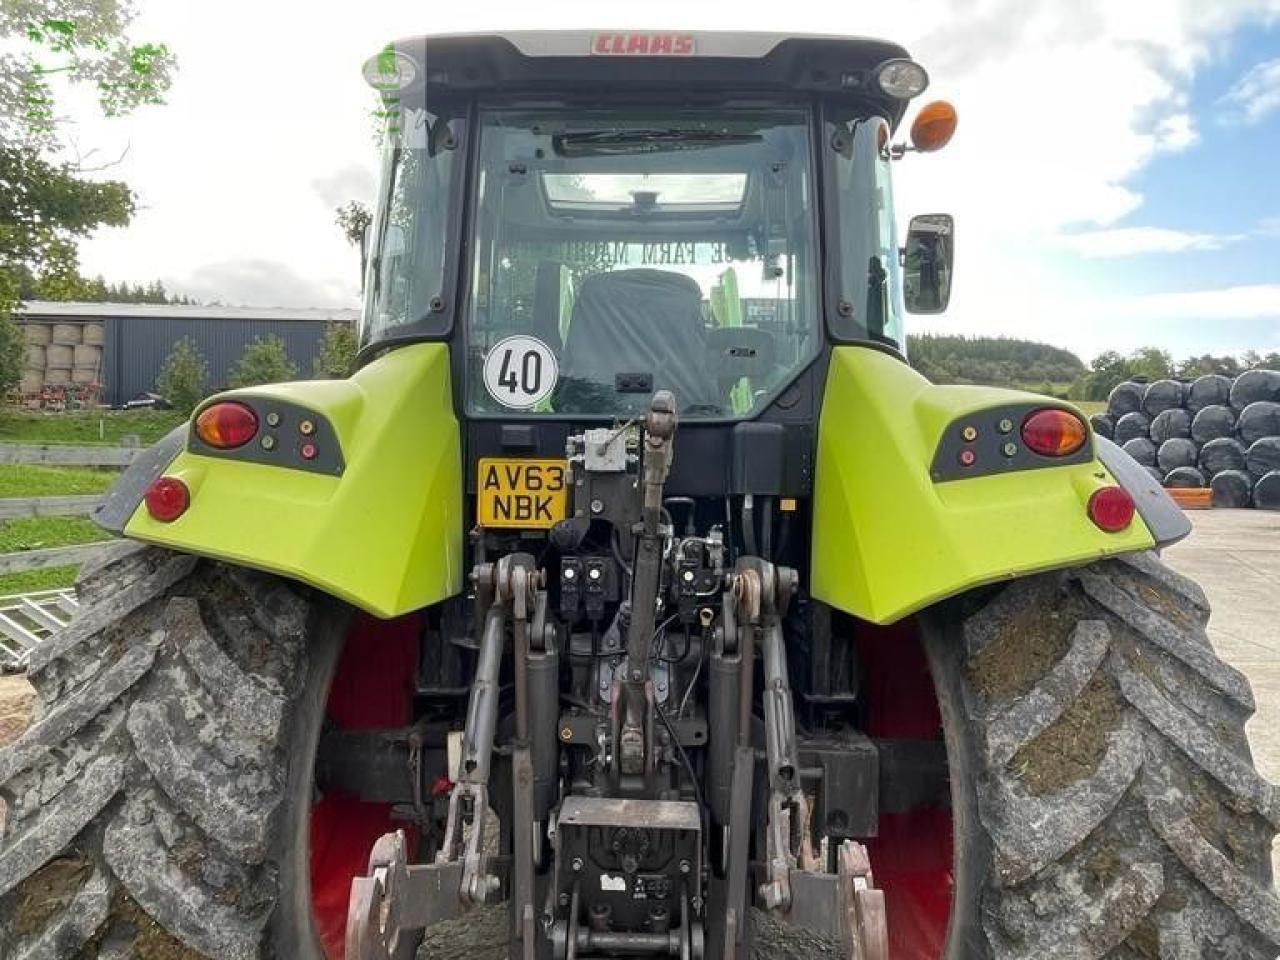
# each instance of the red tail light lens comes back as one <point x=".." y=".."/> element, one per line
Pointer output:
<point x="226" y="425"/>
<point x="167" y="499"/>
<point x="1054" y="433"/>
<point x="1111" y="509"/>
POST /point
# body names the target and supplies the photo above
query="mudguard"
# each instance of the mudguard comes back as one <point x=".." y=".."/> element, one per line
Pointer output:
<point x="376" y="521"/>
<point x="896" y="528"/>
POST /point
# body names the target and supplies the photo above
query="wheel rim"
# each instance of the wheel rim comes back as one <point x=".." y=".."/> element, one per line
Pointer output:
<point x="912" y="857"/>
<point x="372" y="687"/>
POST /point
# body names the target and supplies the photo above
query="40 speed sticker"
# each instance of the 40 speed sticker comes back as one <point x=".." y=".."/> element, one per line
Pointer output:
<point x="520" y="372"/>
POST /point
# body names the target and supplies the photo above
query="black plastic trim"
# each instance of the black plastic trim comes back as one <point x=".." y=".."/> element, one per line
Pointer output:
<point x="122" y="500"/>
<point x="988" y="444"/>
<point x="286" y="438"/>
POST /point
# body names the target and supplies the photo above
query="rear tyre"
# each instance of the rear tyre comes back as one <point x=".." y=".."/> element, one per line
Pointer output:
<point x="158" y="806"/>
<point x="1104" y="797"/>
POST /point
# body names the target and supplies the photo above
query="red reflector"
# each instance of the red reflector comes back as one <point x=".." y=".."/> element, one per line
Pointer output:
<point x="167" y="499"/>
<point x="1054" y="433"/>
<point x="226" y="425"/>
<point x="1111" y="509"/>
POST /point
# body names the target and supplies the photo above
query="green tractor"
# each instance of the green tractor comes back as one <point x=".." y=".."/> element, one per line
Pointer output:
<point x="635" y="598"/>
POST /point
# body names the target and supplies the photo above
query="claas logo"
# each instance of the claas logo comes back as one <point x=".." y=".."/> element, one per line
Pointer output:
<point x="643" y="44"/>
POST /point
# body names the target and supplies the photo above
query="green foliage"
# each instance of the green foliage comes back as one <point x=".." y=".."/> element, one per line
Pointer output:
<point x="86" y="427"/>
<point x="354" y="218"/>
<point x="38" y="533"/>
<point x="263" y="361"/>
<point x="183" y="377"/>
<point x="337" y="357"/>
<point x="995" y="361"/>
<point x="12" y="352"/>
<point x="61" y="284"/>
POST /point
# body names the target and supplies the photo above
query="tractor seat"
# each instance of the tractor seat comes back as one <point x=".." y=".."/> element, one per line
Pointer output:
<point x="635" y="322"/>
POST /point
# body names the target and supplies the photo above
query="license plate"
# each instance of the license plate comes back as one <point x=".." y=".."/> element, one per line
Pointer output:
<point x="521" y="493"/>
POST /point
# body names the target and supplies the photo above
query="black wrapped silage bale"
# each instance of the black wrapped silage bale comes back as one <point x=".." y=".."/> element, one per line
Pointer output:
<point x="1223" y="453"/>
<point x="1178" y="452"/>
<point x="1162" y="395"/>
<point x="1125" y="398"/>
<point x="1103" y="425"/>
<point x="1210" y="390"/>
<point x="1184" y="477"/>
<point x="1130" y="427"/>
<point x="1142" y="450"/>
<point x="1212" y="422"/>
<point x="1259" y="419"/>
<point x="1263" y="456"/>
<point x="1170" y="424"/>
<point x="1231" y="488"/>
<point x="1254" y="385"/>
<point x="1266" y="492"/>
<point x="1156" y="475"/>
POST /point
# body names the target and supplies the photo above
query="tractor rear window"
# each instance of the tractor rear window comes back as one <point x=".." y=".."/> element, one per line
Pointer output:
<point x="625" y="251"/>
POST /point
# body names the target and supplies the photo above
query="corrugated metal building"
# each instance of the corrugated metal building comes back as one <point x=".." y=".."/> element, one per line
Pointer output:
<point x="121" y="346"/>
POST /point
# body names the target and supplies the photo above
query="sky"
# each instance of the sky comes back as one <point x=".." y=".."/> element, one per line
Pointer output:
<point x="1114" y="175"/>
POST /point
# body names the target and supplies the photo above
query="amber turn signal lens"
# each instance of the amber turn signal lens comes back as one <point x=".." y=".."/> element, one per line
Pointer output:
<point x="167" y="499"/>
<point x="1111" y="509"/>
<point x="1054" y="433"/>
<point x="933" y="126"/>
<point x="226" y="426"/>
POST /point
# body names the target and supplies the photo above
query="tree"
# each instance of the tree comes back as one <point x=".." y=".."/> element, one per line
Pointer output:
<point x="183" y="377"/>
<point x="45" y="204"/>
<point x="263" y="361"/>
<point x="337" y="357"/>
<point x="1151" y="362"/>
<point x="354" y="219"/>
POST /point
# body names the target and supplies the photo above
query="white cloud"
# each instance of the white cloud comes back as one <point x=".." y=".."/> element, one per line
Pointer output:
<point x="1248" y="302"/>
<point x="1254" y="95"/>
<point x="1060" y="106"/>
<point x="1128" y="241"/>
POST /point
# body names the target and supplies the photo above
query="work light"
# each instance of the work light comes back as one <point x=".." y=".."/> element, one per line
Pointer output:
<point x="903" y="79"/>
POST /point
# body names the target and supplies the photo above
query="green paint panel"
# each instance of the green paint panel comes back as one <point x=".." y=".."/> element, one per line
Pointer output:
<point x="888" y="541"/>
<point x="386" y="535"/>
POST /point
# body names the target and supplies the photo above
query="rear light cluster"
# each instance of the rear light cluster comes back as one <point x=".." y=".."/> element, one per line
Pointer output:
<point x="225" y="426"/>
<point x="1054" y="433"/>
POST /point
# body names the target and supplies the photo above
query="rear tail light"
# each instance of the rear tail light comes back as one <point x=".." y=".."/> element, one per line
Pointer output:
<point x="1111" y="509"/>
<point x="1054" y="433"/>
<point x="225" y="426"/>
<point x="167" y="499"/>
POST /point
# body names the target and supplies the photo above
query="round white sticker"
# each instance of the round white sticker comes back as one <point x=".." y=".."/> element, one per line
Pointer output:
<point x="520" y="371"/>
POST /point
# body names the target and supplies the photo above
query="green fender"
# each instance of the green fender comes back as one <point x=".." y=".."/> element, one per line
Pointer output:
<point x="888" y="540"/>
<point x="386" y="535"/>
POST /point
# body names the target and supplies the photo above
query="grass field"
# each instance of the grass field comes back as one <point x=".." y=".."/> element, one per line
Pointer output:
<point x="86" y="426"/>
<point x="32" y="480"/>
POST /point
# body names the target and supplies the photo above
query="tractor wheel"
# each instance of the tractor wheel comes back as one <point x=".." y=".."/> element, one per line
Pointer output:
<point x="159" y="804"/>
<point x="1104" y="799"/>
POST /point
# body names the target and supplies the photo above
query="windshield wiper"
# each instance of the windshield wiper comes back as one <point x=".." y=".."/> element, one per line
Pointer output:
<point x="605" y="142"/>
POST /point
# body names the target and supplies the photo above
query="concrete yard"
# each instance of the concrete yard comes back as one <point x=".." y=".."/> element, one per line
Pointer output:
<point x="1235" y="556"/>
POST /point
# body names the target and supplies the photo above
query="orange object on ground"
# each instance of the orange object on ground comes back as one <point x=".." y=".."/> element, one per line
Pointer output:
<point x="1192" y="498"/>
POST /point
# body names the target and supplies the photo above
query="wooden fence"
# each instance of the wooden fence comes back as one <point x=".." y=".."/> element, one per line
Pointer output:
<point x="63" y="455"/>
<point x="11" y="507"/>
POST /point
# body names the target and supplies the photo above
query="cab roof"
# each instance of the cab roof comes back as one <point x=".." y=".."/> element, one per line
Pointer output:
<point x="569" y="64"/>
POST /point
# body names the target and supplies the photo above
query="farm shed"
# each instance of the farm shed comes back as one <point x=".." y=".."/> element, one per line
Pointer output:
<point x="121" y="346"/>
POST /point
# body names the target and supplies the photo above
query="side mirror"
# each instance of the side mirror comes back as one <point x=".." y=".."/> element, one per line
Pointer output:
<point x="926" y="263"/>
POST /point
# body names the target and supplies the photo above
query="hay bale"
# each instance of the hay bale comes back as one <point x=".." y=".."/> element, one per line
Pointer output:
<point x="1142" y="450"/>
<point x="1130" y="427"/>
<point x="95" y="336"/>
<point x="1262" y="457"/>
<point x="1212" y="422"/>
<point x="1162" y="395"/>
<point x="84" y="375"/>
<point x="1259" y="419"/>
<point x="1231" y="488"/>
<point x="1171" y="424"/>
<point x="32" y="381"/>
<point x="57" y="376"/>
<point x="1222" y="453"/>
<point x="1184" y="477"/>
<point x="1104" y="425"/>
<point x="1178" y="452"/>
<point x="37" y="333"/>
<point x="1266" y="492"/>
<point x="35" y="356"/>
<point x="1254" y="385"/>
<point x="1125" y="398"/>
<point x="87" y="357"/>
<point x="67" y="334"/>
<point x="59" y="356"/>
<point x="1156" y="475"/>
<point x="1210" y="390"/>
